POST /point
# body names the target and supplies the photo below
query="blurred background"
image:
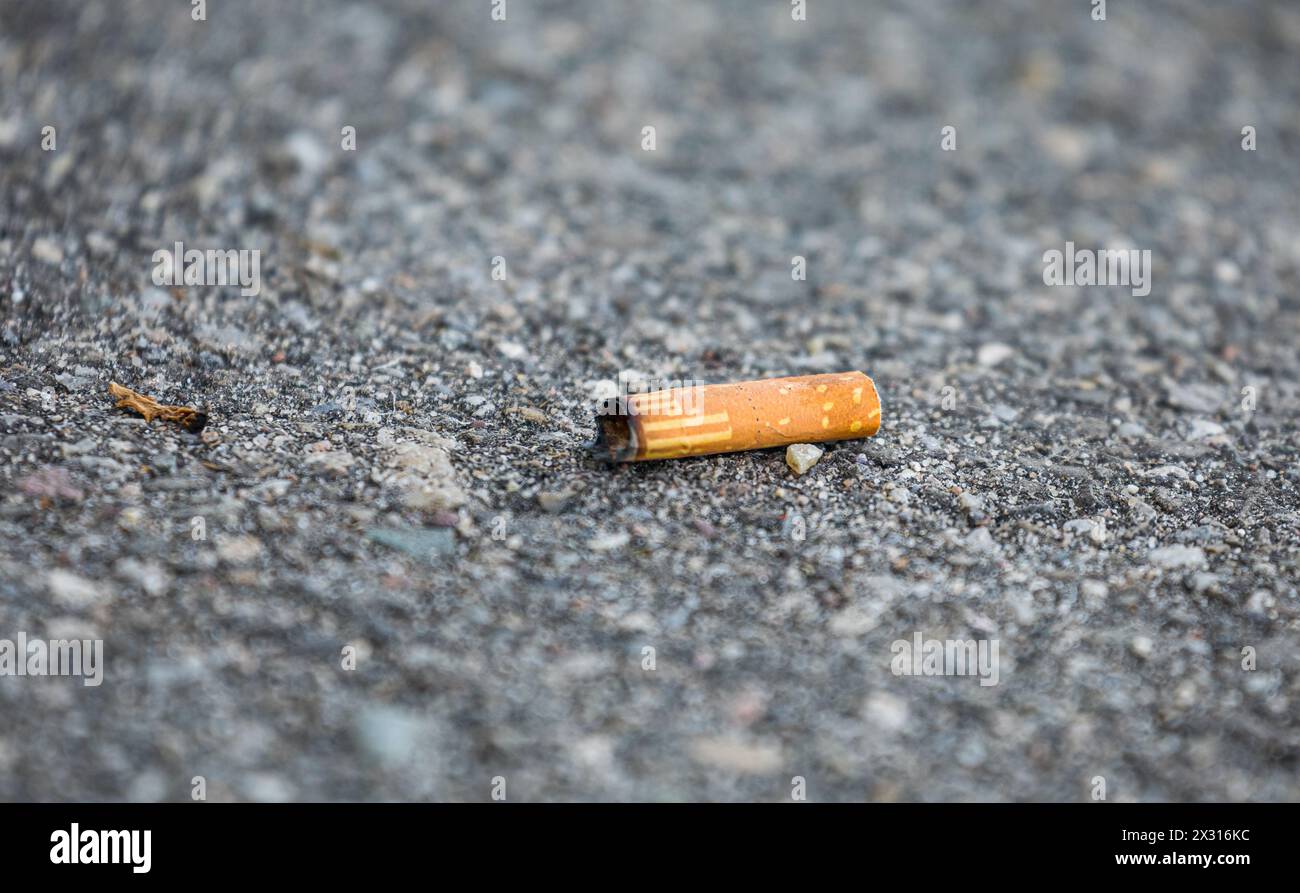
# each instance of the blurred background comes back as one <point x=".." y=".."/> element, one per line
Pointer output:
<point x="394" y="463"/>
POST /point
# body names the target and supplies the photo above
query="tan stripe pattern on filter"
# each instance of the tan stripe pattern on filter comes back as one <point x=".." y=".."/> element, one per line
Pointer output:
<point x="692" y="421"/>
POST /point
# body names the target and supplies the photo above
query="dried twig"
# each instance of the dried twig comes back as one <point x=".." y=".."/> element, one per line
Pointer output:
<point x="188" y="418"/>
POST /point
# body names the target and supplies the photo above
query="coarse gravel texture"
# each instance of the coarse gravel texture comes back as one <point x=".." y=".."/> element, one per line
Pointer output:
<point x="394" y="475"/>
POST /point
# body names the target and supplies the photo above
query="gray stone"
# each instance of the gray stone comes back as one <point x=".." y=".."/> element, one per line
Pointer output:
<point x="432" y="545"/>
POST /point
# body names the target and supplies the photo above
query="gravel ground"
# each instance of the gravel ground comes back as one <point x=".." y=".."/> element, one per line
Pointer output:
<point x="394" y="472"/>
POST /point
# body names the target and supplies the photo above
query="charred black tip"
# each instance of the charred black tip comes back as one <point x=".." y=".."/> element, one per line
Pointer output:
<point x="615" y="440"/>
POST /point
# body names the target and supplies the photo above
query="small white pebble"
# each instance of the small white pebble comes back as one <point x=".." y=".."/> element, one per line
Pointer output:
<point x="994" y="353"/>
<point x="48" y="251"/>
<point x="512" y="349"/>
<point x="802" y="456"/>
<point x="1227" y="271"/>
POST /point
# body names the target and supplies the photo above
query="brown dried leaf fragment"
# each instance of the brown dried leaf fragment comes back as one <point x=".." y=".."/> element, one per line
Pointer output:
<point x="190" y="419"/>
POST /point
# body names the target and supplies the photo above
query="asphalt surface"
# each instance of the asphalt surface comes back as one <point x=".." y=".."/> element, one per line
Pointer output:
<point x="393" y="474"/>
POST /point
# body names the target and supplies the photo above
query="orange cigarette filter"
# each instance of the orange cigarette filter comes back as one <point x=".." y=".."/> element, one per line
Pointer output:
<point x="747" y="415"/>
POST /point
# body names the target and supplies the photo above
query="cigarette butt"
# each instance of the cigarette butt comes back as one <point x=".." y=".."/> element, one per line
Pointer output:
<point x="747" y="415"/>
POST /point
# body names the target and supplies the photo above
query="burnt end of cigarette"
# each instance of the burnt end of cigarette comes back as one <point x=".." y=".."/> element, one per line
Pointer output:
<point x="747" y="415"/>
<point x="615" y="441"/>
